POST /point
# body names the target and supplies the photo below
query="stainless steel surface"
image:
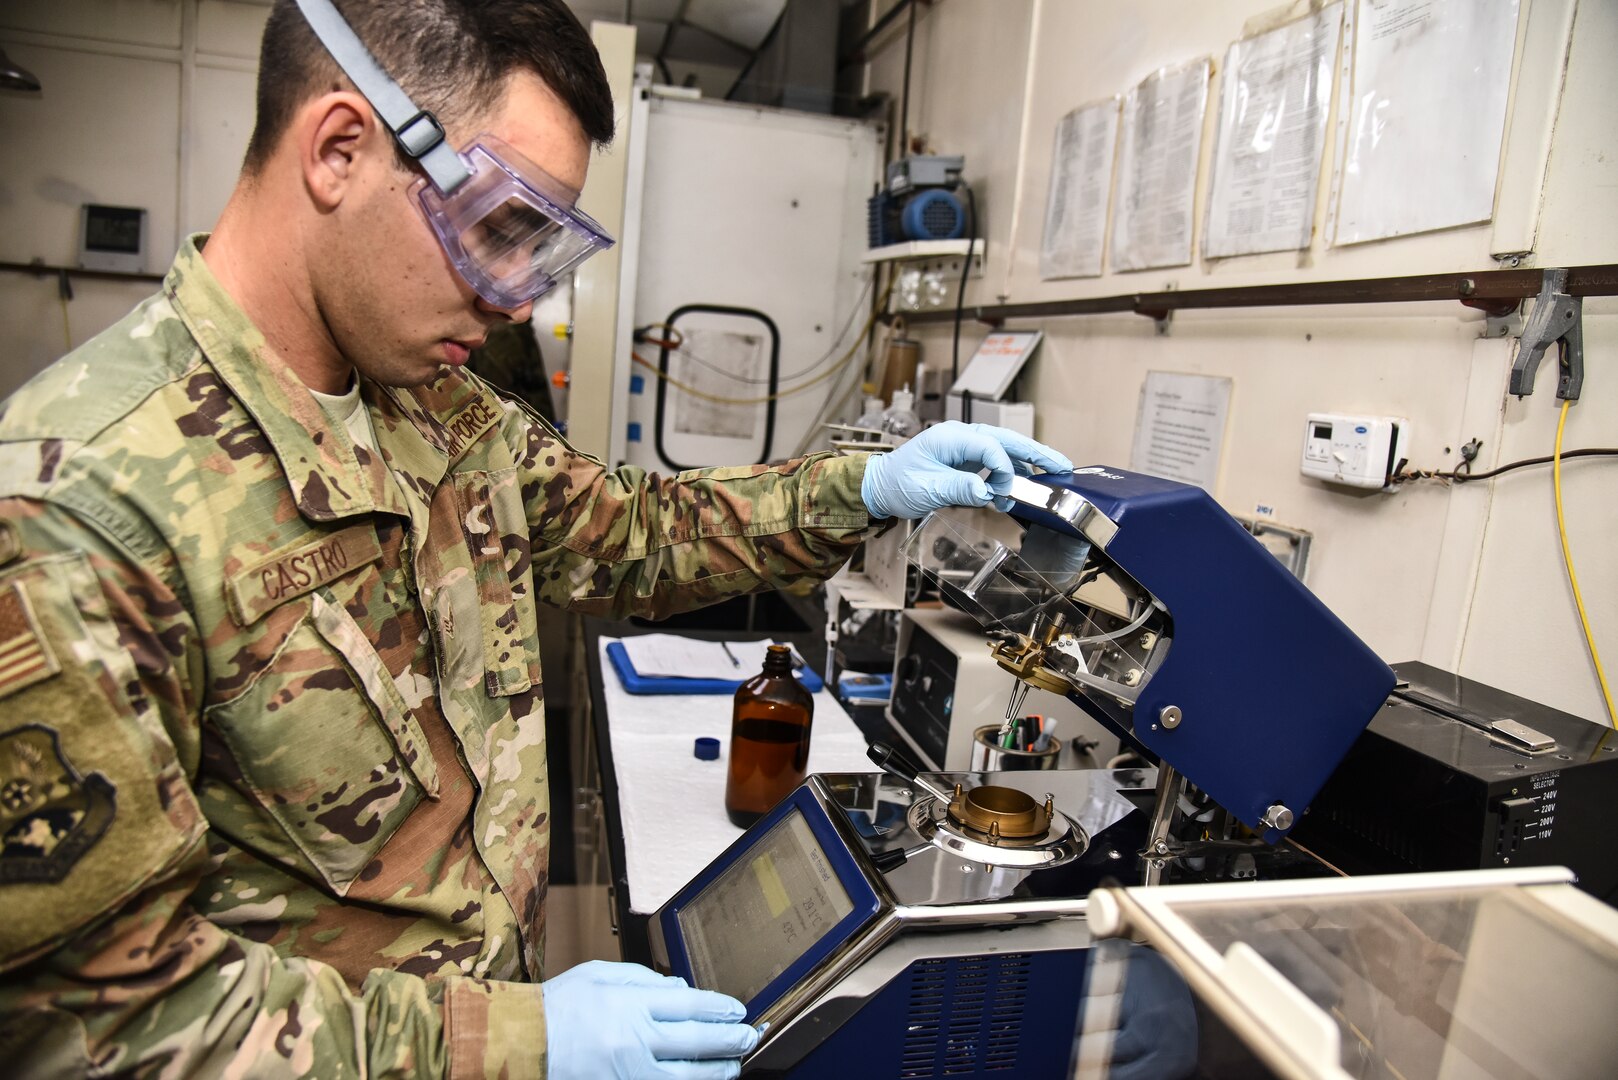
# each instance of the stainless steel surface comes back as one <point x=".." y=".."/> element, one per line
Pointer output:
<point x="1000" y="913"/>
<point x="1169" y="716"/>
<point x="1061" y="843"/>
<point x="893" y="761"/>
<point x="1070" y="506"/>
<point x="1091" y="799"/>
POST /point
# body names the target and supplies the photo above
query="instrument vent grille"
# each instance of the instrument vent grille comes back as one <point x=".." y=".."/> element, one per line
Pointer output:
<point x="966" y="1016"/>
<point x="1390" y="837"/>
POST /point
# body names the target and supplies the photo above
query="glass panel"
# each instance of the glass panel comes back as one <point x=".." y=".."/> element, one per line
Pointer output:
<point x="1019" y="581"/>
<point x="1439" y="985"/>
<point x="1006" y="578"/>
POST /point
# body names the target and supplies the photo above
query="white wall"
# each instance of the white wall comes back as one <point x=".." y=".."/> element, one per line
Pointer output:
<point x="149" y="103"/>
<point x="144" y="103"/>
<point x="1469" y="578"/>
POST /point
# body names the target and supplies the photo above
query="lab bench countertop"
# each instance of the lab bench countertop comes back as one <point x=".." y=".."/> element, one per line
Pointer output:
<point x="664" y="807"/>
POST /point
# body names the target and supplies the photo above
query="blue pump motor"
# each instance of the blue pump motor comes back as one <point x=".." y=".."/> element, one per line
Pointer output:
<point x="933" y="214"/>
<point x="918" y="202"/>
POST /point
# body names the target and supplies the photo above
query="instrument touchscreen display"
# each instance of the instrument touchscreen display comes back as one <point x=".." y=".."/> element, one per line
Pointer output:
<point x="766" y="910"/>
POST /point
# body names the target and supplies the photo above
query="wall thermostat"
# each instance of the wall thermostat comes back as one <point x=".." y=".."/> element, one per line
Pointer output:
<point x="1360" y="451"/>
<point x="113" y="238"/>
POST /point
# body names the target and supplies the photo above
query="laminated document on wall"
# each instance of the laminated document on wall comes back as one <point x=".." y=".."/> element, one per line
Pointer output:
<point x="1081" y="181"/>
<point x="1425" y="113"/>
<point x="1180" y="432"/>
<point x="1157" y="168"/>
<point x="1272" y="127"/>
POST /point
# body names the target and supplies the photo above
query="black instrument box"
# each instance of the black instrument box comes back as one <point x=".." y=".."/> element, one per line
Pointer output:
<point x="1427" y="788"/>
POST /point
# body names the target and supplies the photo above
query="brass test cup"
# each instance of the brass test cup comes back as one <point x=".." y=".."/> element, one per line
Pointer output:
<point x="1000" y="812"/>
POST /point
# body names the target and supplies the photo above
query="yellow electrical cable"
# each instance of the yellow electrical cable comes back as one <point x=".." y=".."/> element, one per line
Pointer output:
<point x="1567" y="560"/>
<point x="842" y="363"/>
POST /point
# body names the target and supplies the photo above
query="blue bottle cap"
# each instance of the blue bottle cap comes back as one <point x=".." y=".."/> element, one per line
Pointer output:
<point x="706" y="749"/>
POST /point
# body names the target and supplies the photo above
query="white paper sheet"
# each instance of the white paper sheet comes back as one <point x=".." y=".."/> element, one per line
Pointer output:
<point x="1180" y="432"/>
<point x="1157" y="168"/>
<point x="1272" y="128"/>
<point x="671" y="805"/>
<point x="1429" y="84"/>
<point x="673" y="656"/>
<point x="1081" y="181"/>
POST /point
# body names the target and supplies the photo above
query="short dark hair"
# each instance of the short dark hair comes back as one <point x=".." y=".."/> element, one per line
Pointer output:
<point x="451" y="56"/>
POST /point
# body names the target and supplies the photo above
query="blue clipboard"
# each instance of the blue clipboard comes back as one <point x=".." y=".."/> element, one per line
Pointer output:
<point x="636" y="683"/>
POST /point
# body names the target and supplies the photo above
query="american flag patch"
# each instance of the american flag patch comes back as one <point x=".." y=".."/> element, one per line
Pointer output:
<point x="25" y="655"/>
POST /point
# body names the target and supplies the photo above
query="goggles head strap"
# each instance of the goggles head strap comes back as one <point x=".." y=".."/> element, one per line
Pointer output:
<point x="417" y="131"/>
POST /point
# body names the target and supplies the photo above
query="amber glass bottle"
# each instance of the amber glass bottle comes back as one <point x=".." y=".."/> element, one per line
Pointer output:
<point x="769" y="739"/>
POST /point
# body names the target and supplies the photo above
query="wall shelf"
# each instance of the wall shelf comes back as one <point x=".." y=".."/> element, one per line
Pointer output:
<point x="922" y="249"/>
<point x="41" y="270"/>
<point x="1493" y="291"/>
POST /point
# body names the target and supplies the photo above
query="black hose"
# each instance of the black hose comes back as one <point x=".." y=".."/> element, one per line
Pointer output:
<point x="966" y="268"/>
<point x="904" y="110"/>
<point x="663" y="383"/>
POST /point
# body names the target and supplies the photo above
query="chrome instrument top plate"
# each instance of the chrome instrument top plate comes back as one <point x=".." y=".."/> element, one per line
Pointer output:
<point x="1063" y="841"/>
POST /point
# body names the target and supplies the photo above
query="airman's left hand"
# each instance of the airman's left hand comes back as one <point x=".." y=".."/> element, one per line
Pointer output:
<point x="940" y="468"/>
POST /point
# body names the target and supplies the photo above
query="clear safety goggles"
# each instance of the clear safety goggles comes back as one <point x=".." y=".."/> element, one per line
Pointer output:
<point x="511" y="229"/>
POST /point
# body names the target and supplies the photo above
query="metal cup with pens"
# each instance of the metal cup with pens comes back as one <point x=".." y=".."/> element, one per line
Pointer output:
<point x="1020" y="751"/>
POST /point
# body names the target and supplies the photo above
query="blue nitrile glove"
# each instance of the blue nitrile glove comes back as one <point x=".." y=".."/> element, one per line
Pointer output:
<point x="940" y="467"/>
<point x="622" y="1020"/>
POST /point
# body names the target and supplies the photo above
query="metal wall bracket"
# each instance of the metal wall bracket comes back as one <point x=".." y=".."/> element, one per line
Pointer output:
<point x="1502" y="316"/>
<point x="1503" y="326"/>
<point x="1557" y="319"/>
<point x="1162" y="318"/>
<point x="1162" y="315"/>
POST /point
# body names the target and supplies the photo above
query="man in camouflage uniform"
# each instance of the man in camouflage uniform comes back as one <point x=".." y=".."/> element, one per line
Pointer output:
<point x="273" y="788"/>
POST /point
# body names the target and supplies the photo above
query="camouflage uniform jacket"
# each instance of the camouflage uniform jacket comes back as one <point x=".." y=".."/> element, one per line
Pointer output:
<point x="273" y="784"/>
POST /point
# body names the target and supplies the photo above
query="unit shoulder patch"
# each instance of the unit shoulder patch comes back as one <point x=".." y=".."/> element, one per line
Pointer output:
<point x="49" y="814"/>
<point x="25" y="655"/>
